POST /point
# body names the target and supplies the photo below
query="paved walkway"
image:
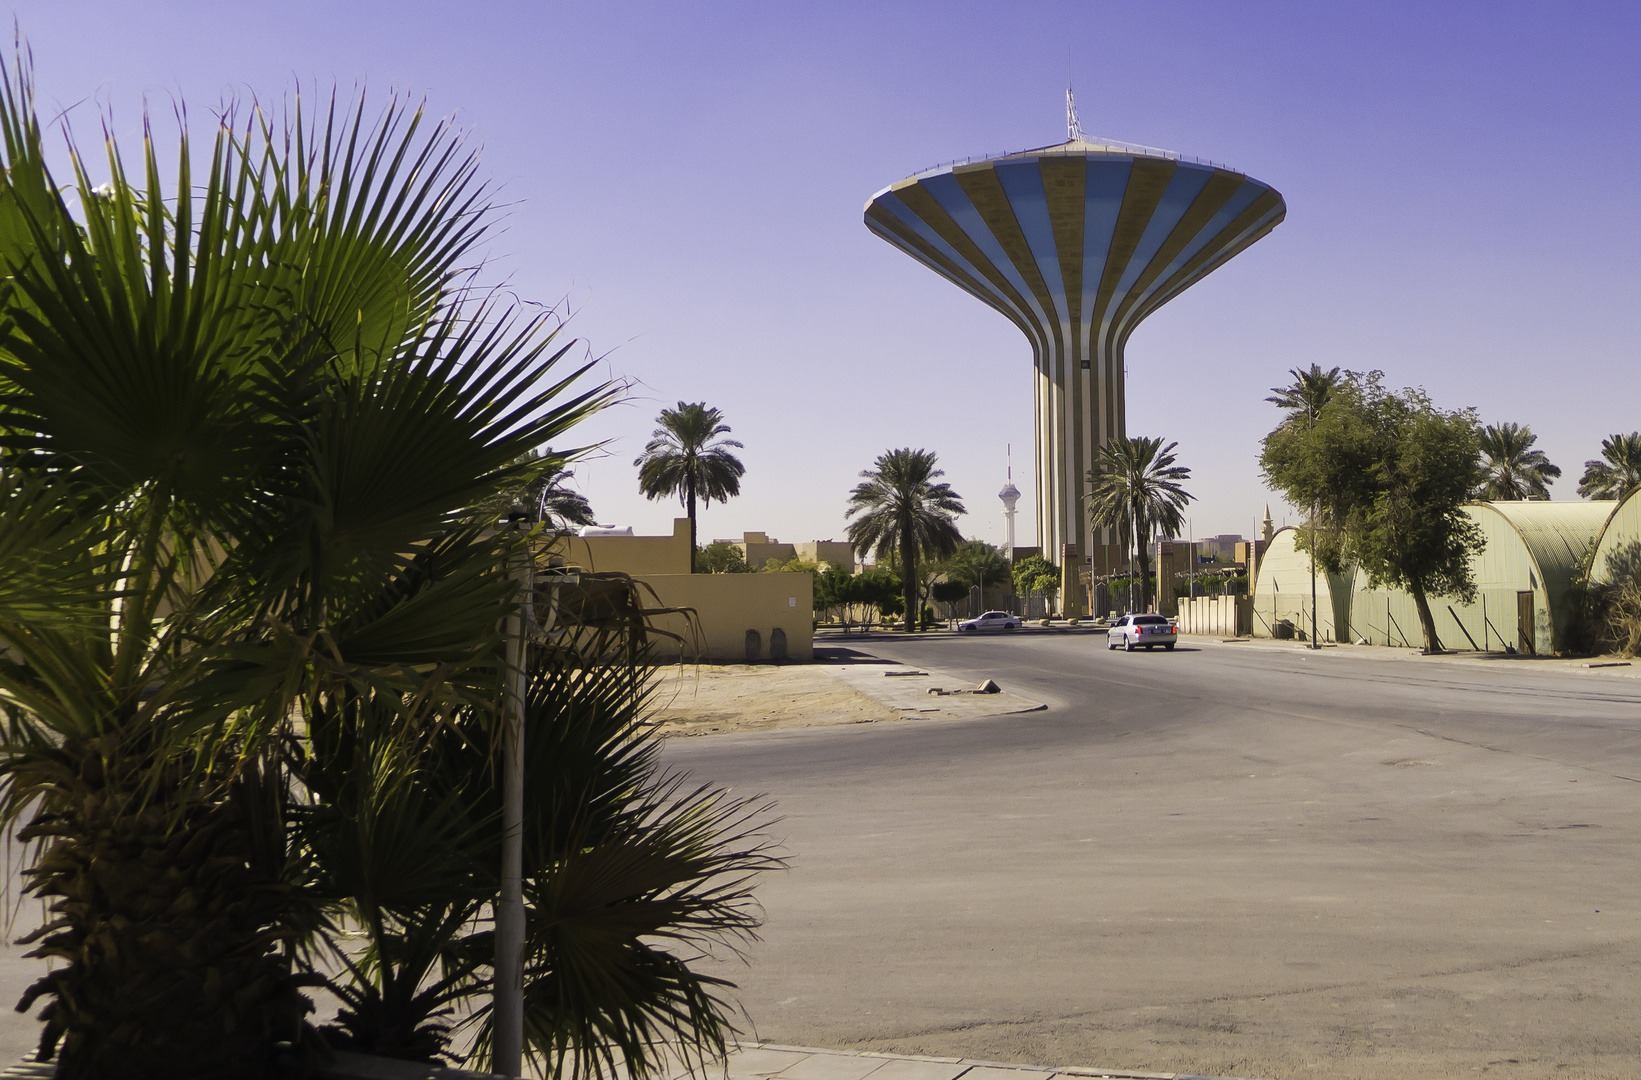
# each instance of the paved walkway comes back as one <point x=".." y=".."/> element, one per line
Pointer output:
<point x="920" y="691"/>
<point x="769" y="1061"/>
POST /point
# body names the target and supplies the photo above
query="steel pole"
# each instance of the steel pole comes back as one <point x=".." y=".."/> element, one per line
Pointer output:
<point x="508" y="1002"/>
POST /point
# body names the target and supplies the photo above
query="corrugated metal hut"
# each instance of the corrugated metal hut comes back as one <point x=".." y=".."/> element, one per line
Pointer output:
<point x="1618" y="548"/>
<point x="1282" y="591"/>
<point x="1524" y="582"/>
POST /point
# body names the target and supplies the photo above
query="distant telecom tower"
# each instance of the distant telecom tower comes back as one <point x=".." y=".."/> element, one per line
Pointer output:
<point x="1010" y="495"/>
<point x="1076" y="244"/>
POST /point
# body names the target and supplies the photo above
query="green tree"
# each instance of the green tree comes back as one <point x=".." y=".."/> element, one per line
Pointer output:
<point x="1303" y="400"/>
<point x="541" y="493"/>
<point x="1617" y="472"/>
<point x="1136" y="488"/>
<point x="243" y="425"/>
<point x="1511" y="468"/>
<point x="1035" y="574"/>
<point x="977" y="563"/>
<point x="878" y="591"/>
<point x="685" y="457"/>
<point x="722" y="557"/>
<point x="1390" y="473"/>
<point x="904" y="513"/>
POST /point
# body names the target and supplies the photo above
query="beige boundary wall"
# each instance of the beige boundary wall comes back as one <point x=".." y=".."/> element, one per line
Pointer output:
<point x="640" y="556"/>
<point x="1216" y="616"/>
<point x="727" y="606"/>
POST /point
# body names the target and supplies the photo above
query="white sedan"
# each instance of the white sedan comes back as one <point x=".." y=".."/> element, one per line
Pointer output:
<point x="1141" y="632"/>
<point x="991" y="620"/>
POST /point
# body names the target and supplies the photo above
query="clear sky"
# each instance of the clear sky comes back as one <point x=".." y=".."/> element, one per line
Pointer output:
<point x="1461" y="179"/>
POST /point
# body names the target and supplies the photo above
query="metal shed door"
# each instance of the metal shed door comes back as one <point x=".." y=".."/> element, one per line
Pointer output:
<point x="1526" y="639"/>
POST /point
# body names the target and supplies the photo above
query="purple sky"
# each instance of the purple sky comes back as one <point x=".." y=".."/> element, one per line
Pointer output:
<point x="1461" y="182"/>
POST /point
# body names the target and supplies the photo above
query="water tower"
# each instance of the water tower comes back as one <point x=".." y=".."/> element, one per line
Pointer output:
<point x="1076" y="244"/>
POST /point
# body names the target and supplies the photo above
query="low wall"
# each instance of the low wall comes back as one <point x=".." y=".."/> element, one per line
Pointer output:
<point x="1216" y="616"/>
<point x="727" y="606"/>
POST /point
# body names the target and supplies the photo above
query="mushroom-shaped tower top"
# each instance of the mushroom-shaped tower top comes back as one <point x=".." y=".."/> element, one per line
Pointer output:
<point x="1075" y="243"/>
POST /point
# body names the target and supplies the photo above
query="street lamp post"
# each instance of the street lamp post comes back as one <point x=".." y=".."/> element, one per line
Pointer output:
<point x="508" y="999"/>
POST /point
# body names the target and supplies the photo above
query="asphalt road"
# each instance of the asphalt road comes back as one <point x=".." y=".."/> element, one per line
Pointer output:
<point x="1227" y="860"/>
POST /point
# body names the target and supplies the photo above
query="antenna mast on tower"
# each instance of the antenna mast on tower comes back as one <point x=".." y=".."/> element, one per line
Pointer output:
<point x="1074" y="127"/>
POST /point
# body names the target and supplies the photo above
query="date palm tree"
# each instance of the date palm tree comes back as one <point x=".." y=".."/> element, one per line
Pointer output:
<point x="905" y="516"/>
<point x="1136" y="488"/>
<point x="685" y="457"/>
<point x="1511" y="468"/>
<point x="1303" y="400"/>
<point x="1616" y="472"/>
<point x="242" y="425"/>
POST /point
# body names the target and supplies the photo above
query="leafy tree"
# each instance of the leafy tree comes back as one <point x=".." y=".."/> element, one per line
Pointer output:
<point x="686" y="458"/>
<point x="949" y="592"/>
<point x="977" y="563"/>
<point x="722" y="557"/>
<point x="904" y="513"/>
<point x="1035" y="574"/>
<point x="1136" y="488"/>
<point x="1302" y="400"/>
<point x="1511" y="468"/>
<point x="792" y="566"/>
<point x="1389" y="473"/>
<point x="836" y="590"/>
<point x="1617" y="472"/>
<point x="878" y="590"/>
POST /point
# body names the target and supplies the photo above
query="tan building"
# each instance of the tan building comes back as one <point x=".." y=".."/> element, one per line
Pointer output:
<point x="758" y="548"/>
<point x="738" y="617"/>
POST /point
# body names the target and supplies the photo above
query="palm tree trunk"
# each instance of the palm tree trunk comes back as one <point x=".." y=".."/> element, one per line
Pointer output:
<point x="908" y="575"/>
<point x="166" y="927"/>
<point x="689" y="503"/>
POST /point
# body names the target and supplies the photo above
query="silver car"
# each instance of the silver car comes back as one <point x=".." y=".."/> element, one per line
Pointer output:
<point x="1141" y="632"/>
<point x="991" y="620"/>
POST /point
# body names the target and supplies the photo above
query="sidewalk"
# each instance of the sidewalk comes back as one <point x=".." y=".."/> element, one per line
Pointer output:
<point x="769" y="1061"/>
<point x="910" y="690"/>
<point x="1514" y="662"/>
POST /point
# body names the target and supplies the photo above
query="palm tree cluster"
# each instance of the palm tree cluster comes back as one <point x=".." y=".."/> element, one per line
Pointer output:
<point x="1137" y="488"/>
<point x="1511" y="469"/>
<point x="250" y="665"/>
<point x="905" y="516"/>
<point x="685" y="457"/>
<point x="1617" y="472"/>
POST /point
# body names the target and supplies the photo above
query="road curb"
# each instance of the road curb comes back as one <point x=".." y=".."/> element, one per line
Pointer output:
<point x="795" y="1062"/>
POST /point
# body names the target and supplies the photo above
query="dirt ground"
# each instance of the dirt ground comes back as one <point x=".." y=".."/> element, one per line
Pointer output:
<point x="710" y="699"/>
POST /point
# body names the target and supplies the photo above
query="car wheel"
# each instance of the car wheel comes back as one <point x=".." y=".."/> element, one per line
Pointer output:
<point x="1168" y="648"/>
<point x="1010" y="626"/>
<point x="1127" y="646"/>
<point x="1110" y="646"/>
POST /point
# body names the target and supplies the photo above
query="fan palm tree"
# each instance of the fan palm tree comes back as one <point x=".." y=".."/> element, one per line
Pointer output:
<point x="686" y="458"/>
<point x="1303" y="400"/>
<point x="1511" y="468"/>
<point x="541" y="495"/>
<point x="905" y="516"/>
<point x="1617" y="472"/>
<point x="241" y="602"/>
<point x="1136" y="488"/>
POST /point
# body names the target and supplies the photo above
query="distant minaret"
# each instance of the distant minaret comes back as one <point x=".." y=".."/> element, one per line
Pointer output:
<point x="1267" y="530"/>
<point x="1010" y="495"/>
